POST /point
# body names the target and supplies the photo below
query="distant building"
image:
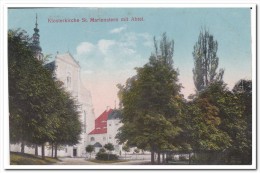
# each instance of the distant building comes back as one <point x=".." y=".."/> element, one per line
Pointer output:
<point x="106" y="128"/>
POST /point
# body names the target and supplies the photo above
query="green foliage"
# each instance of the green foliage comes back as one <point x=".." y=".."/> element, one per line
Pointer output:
<point x="203" y="130"/>
<point x="69" y="129"/>
<point x="102" y="150"/>
<point x="40" y="109"/>
<point x="30" y="90"/>
<point x="233" y="130"/>
<point x="89" y="148"/>
<point x="137" y="150"/>
<point x="206" y="61"/>
<point x="106" y="156"/>
<point x="243" y="143"/>
<point x="183" y="158"/>
<point x="126" y="148"/>
<point x="151" y="102"/>
<point x="109" y="146"/>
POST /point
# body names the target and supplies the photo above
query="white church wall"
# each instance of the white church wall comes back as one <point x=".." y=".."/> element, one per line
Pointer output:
<point x="87" y="110"/>
<point x="112" y="129"/>
<point x="67" y="69"/>
<point x="101" y="138"/>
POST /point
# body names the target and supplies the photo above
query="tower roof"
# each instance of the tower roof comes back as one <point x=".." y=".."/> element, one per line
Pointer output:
<point x="68" y="58"/>
<point x="35" y="45"/>
<point x="115" y="114"/>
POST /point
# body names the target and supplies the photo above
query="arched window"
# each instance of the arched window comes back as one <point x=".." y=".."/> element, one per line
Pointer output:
<point x="92" y="139"/>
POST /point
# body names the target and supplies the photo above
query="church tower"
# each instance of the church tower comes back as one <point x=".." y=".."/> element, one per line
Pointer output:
<point x="35" y="45"/>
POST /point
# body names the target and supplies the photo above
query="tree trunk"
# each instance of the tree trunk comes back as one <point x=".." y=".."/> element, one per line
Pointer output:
<point x="22" y="147"/>
<point x="167" y="157"/>
<point x="36" y="150"/>
<point x="159" y="158"/>
<point x="52" y="149"/>
<point x="152" y="157"/>
<point x="43" y="151"/>
<point x="163" y="158"/>
<point x="189" y="159"/>
<point x="56" y="150"/>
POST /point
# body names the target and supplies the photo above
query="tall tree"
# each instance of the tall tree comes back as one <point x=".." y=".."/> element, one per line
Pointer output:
<point x="233" y="117"/>
<point x="40" y="110"/>
<point x="203" y="124"/>
<point x="206" y="61"/>
<point x="147" y="100"/>
<point x="69" y="127"/>
<point x="31" y="91"/>
<point x="243" y="143"/>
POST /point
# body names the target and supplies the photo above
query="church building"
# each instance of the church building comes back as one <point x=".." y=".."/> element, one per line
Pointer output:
<point x="67" y="70"/>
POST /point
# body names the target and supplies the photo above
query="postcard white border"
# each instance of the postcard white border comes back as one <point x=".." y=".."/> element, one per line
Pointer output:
<point x="150" y="4"/>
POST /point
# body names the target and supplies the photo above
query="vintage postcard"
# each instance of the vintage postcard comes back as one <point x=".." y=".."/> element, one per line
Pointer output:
<point x="130" y="87"/>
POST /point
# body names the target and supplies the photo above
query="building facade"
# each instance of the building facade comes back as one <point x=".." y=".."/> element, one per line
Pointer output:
<point x="106" y="128"/>
<point x="67" y="70"/>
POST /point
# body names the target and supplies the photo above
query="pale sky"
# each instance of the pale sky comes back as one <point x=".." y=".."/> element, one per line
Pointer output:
<point x="109" y="51"/>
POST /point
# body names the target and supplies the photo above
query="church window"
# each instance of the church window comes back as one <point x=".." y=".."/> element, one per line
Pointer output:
<point x="104" y="138"/>
<point x="92" y="139"/>
<point x="109" y="124"/>
<point x="69" y="80"/>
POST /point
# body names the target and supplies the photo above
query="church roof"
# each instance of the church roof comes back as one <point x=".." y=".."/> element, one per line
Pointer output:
<point x="52" y="65"/>
<point x="101" y="123"/>
<point x="67" y="56"/>
<point x="115" y="114"/>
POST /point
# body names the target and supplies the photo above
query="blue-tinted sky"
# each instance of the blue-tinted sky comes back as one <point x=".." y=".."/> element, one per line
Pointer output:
<point x="109" y="51"/>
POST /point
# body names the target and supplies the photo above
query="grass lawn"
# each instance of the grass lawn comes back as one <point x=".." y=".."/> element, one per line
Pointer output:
<point x="28" y="159"/>
<point x="106" y="161"/>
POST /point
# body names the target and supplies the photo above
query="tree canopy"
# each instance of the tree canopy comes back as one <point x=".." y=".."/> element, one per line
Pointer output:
<point x="40" y="109"/>
<point x="206" y="61"/>
<point x="147" y="100"/>
<point x="156" y="116"/>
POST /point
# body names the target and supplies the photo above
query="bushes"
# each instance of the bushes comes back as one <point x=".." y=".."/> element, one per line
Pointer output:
<point x="183" y="158"/>
<point x="106" y="156"/>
